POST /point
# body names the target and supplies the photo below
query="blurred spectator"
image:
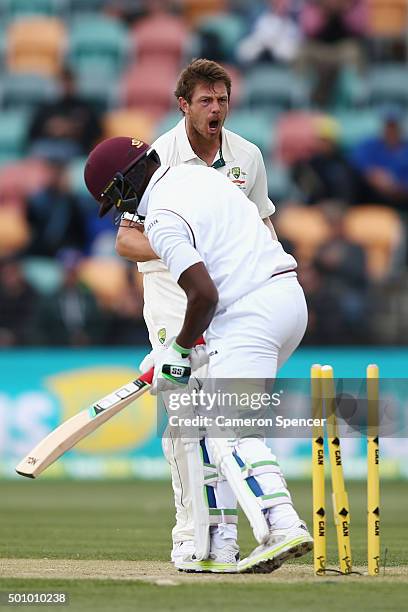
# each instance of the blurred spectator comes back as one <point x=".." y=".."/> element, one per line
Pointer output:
<point x="71" y="316"/>
<point x="383" y="163"/>
<point x="336" y="286"/>
<point x="54" y="213"/>
<point x="275" y="36"/>
<point x="17" y="300"/>
<point x="328" y="174"/>
<point x="70" y="121"/>
<point x="335" y="31"/>
<point x="127" y="326"/>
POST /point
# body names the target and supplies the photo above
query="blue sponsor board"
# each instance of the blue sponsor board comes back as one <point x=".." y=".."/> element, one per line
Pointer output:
<point x="41" y="388"/>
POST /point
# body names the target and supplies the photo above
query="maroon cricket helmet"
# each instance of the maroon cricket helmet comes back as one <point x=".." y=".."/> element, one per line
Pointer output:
<point x="105" y="172"/>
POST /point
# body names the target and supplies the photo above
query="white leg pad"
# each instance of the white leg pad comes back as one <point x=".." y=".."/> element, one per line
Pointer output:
<point x="200" y="507"/>
<point x="222" y="450"/>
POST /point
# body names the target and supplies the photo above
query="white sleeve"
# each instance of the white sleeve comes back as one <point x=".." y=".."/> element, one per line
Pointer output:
<point x="172" y="238"/>
<point x="259" y="191"/>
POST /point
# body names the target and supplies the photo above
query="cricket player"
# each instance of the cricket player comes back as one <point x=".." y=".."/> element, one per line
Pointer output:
<point x="242" y="291"/>
<point x="203" y="92"/>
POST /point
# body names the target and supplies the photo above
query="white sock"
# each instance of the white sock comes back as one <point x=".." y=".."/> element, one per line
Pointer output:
<point x="283" y="516"/>
<point x="223" y="534"/>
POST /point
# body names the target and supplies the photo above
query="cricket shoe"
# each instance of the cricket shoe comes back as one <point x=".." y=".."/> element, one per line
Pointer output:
<point x="222" y="559"/>
<point x="282" y="544"/>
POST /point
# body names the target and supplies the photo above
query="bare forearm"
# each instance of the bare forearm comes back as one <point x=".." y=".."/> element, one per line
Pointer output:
<point x="202" y="300"/>
<point x="132" y="244"/>
<point x="199" y="314"/>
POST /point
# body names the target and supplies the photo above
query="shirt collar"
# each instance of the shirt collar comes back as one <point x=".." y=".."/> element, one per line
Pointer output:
<point x="142" y="209"/>
<point x="185" y="150"/>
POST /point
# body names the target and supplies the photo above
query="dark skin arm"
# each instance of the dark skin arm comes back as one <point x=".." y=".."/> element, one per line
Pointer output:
<point x="202" y="300"/>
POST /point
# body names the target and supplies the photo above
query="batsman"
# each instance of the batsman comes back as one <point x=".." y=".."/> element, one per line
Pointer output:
<point x="242" y="292"/>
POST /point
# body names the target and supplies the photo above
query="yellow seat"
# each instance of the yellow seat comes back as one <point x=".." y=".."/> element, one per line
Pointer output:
<point x="106" y="277"/>
<point x="14" y="230"/>
<point x="194" y="11"/>
<point x="128" y="122"/>
<point x="36" y="44"/>
<point x="387" y="18"/>
<point x="305" y="227"/>
<point x="379" y="230"/>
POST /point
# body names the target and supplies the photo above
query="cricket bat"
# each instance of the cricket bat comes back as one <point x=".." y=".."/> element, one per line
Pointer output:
<point x="69" y="433"/>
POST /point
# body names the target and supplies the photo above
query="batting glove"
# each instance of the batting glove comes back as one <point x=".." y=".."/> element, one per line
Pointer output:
<point x="198" y="358"/>
<point x="172" y="368"/>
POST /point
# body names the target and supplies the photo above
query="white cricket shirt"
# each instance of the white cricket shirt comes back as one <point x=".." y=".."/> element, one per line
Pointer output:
<point x="195" y="214"/>
<point x="244" y="166"/>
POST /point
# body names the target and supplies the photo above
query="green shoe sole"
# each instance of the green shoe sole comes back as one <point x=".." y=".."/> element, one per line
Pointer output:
<point x="271" y="560"/>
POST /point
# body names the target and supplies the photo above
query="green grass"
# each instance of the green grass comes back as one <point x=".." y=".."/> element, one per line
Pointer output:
<point x="108" y="595"/>
<point x="132" y="521"/>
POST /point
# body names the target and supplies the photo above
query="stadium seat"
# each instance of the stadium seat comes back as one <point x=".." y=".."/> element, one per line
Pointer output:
<point x="258" y="128"/>
<point x="387" y="18"/>
<point x="267" y="87"/>
<point x="163" y="36"/>
<point x="167" y="122"/>
<point x="98" y="45"/>
<point x="194" y="11"/>
<point x="92" y="87"/>
<point x="357" y="125"/>
<point x="351" y="90"/>
<point x="128" y="122"/>
<point x="76" y="177"/>
<point x="280" y="186"/>
<point x="36" y="44"/>
<point x="388" y="84"/>
<point x="14" y="230"/>
<point x="78" y="8"/>
<point x="24" y="91"/>
<point x="305" y="227"/>
<point x="296" y="136"/>
<point x="20" y="179"/>
<point x="221" y="34"/>
<point x="43" y="274"/>
<point x="148" y="86"/>
<point x="379" y="230"/>
<point x="13" y="9"/>
<point x="105" y="277"/>
<point x="13" y="133"/>
<point x="236" y="88"/>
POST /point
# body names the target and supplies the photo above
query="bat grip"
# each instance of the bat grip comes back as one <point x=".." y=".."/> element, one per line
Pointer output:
<point x="147" y="377"/>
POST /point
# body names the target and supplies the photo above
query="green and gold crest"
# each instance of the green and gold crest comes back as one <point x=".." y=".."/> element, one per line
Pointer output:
<point x="161" y="334"/>
<point x="236" y="172"/>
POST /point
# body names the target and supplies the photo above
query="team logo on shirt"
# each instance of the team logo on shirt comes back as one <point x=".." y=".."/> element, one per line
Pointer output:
<point x="161" y="334"/>
<point x="237" y="176"/>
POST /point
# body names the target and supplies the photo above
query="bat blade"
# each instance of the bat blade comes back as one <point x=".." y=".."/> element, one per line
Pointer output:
<point x="72" y="431"/>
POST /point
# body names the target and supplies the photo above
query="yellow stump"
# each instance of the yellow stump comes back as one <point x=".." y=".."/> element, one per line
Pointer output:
<point x="341" y="508"/>
<point x="319" y="503"/>
<point x="373" y="475"/>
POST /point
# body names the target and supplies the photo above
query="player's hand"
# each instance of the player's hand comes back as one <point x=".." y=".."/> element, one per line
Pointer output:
<point x="198" y="358"/>
<point x="172" y="368"/>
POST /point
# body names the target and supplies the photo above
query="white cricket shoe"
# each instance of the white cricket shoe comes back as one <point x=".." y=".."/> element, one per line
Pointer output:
<point x="282" y="544"/>
<point x="222" y="559"/>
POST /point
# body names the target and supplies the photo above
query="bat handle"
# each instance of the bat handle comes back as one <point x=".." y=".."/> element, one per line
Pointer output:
<point x="147" y="377"/>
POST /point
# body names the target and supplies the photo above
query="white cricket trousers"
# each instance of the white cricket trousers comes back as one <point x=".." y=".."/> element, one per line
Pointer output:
<point x="252" y="338"/>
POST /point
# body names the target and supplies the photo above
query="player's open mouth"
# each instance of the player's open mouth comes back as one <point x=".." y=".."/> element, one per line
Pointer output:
<point x="214" y="125"/>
